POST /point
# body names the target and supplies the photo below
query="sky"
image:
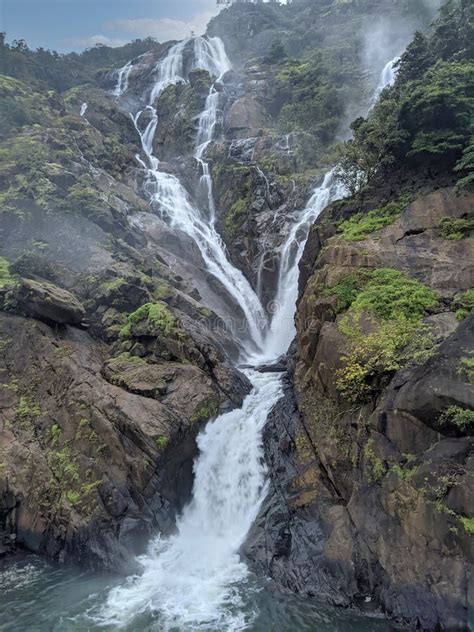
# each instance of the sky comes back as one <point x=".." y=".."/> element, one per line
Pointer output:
<point x="65" y="25"/>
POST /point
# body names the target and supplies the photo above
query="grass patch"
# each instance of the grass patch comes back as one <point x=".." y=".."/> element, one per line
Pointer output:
<point x="357" y="227"/>
<point x="5" y="276"/>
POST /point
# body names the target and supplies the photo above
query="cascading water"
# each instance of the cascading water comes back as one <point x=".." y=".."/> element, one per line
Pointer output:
<point x="190" y="579"/>
<point x="122" y="79"/>
<point x="194" y="579"/>
<point x="171" y="198"/>
<point x="282" y="327"/>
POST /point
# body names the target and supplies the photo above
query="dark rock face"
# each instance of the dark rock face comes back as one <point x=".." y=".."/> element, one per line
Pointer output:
<point x="370" y="503"/>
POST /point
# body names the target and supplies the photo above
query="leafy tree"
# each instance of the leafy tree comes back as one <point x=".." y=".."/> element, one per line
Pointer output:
<point x="372" y="149"/>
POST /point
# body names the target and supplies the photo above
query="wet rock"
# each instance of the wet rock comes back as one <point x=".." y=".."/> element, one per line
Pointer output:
<point x="47" y="302"/>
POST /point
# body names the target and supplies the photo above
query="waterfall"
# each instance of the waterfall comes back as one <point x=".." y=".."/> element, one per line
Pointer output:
<point x="171" y="198"/>
<point x="123" y="76"/>
<point x="386" y="79"/>
<point x="190" y="579"/>
<point x="195" y="580"/>
<point x="83" y="111"/>
<point x="282" y="327"/>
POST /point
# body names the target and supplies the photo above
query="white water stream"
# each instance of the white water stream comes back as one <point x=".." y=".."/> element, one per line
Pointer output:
<point x="193" y="580"/>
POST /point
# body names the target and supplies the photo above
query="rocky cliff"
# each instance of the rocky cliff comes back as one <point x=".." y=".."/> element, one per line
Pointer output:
<point x="370" y="456"/>
<point x="116" y="342"/>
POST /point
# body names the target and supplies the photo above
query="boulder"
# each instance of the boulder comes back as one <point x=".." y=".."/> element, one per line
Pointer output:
<point x="47" y="302"/>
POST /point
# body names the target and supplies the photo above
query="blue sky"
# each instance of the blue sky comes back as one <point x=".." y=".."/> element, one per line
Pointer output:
<point x="76" y="24"/>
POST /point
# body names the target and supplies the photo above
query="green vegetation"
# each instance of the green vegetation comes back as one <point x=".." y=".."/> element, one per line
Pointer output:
<point x="456" y="229"/>
<point x="162" y="441"/>
<point x="28" y="409"/>
<point x="426" y="116"/>
<point x="403" y="472"/>
<point x="464" y="304"/>
<point x="157" y="316"/>
<point x="5" y="275"/>
<point x="391" y="295"/>
<point x="462" y="418"/>
<point x="375" y="463"/>
<point x="48" y="69"/>
<point x="384" y="292"/>
<point x="383" y="326"/>
<point x="55" y="434"/>
<point x="468" y="524"/>
<point x="466" y="366"/>
<point x="357" y="227"/>
<point x="207" y="410"/>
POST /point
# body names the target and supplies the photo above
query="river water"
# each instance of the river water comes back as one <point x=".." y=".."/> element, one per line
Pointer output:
<point x="195" y="579"/>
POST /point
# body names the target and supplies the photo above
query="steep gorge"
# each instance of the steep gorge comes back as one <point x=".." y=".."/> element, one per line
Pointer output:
<point x="168" y="314"/>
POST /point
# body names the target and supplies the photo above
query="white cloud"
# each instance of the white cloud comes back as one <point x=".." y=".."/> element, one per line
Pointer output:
<point x="88" y="42"/>
<point x="165" y="28"/>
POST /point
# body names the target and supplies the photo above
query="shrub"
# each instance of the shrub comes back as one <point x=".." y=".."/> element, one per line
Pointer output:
<point x="5" y="276"/>
<point x="374" y="357"/>
<point x="462" y="418"/>
<point x="390" y="294"/>
<point x="392" y="305"/>
<point x="156" y="315"/>
<point x="464" y="304"/>
<point x="466" y="366"/>
<point x="455" y="229"/>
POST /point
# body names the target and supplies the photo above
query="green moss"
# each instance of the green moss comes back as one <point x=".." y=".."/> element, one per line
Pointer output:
<point x="456" y="229"/>
<point x="73" y="496"/>
<point x="403" y="472"/>
<point x="466" y="366"/>
<point x="157" y="316"/>
<point x="28" y="409"/>
<point x="162" y="442"/>
<point x="357" y="227"/>
<point x="468" y="524"/>
<point x="347" y="290"/>
<point x="55" y="434"/>
<point x="390" y="294"/>
<point x="385" y="293"/>
<point x="393" y="305"/>
<point x="205" y="411"/>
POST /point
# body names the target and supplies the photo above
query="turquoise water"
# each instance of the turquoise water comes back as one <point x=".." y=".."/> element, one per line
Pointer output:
<point x="36" y="596"/>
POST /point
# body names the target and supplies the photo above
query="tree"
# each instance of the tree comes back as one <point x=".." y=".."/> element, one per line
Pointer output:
<point x="373" y="148"/>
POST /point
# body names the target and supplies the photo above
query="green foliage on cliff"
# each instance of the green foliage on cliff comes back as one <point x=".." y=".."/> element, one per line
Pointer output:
<point x="464" y="304"/>
<point x="455" y="229"/>
<point x="383" y="327"/>
<point x="425" y="118"/>
<point x="316" y="90"/>
<point x="357" y="227"/>
<point x="462" y="418"/>
<point x="384" y="292"/>
<point x="156" y="316"/>
<point x="46" y="68"/>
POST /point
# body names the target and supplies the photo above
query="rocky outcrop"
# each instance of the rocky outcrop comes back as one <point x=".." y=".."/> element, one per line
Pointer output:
<point x="46" y="302"/>
<point x="109" y="443"/>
